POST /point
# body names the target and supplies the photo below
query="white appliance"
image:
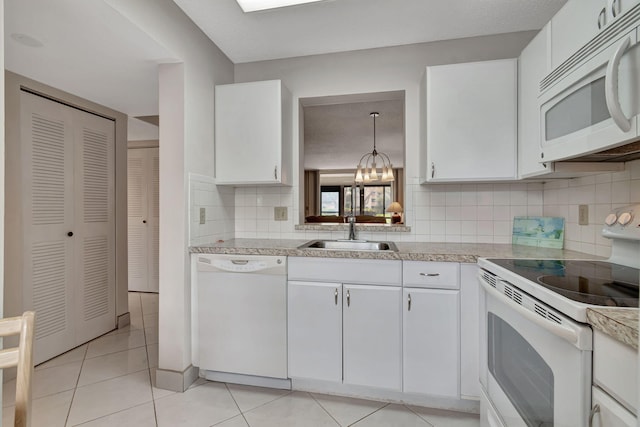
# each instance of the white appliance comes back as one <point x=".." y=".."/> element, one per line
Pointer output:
<point x="242" y="319"/>
<point x="591" y="102"/>
<point x="536" y="350"/>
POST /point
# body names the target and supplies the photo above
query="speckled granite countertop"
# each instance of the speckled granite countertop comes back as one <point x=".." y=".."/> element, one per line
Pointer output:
<point x="449" y="252"/>
<point x="619" y="323"/>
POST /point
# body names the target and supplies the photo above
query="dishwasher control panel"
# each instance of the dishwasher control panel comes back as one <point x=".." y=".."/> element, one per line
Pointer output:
<point x="242" y="263"/>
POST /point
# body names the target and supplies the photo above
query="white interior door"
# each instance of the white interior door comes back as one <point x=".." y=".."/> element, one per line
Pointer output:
<point x="143" y="207"/>
<point x="94" y="232"/>
<point x="47" y="186"/>
<point x="68" y="224"/>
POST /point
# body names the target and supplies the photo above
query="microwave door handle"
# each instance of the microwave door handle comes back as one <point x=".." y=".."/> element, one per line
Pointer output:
<point x="564" y="333"/>
<point x="611" y="88"/>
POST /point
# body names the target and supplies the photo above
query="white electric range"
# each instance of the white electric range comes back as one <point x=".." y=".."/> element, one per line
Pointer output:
<point x="536" y="350"/>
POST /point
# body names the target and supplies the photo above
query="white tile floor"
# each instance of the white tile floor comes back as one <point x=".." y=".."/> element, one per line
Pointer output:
<point x="109" y="382"/>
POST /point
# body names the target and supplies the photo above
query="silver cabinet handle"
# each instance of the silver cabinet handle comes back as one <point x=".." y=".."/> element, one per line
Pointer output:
<point x="348" y="299"/>
<point x="594" y="411"/>
<point x="602" y="16"/>
<point x="430" y="274"/>
<point x="409" y="302"/>
<point x="335" y="296"/>
<point x="275" y="172"/>
<point x="433" y="169"/>
<point x="615" y="8"/>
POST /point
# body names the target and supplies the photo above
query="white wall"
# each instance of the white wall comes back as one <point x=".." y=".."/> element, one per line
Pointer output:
<point x="186" y="146"/>
<point x="435" y="213"/>
<point x="601" y="193"/>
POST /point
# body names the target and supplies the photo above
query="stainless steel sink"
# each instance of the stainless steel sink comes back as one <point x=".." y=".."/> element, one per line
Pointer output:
<point x="350" y="245"/>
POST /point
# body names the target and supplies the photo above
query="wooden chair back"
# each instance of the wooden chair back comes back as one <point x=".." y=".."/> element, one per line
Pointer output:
<point x="22" y="358"/>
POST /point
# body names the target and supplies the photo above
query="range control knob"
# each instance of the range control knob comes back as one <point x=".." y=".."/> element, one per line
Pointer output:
<point x="624" y="218"/>
<point x="611" y="219"/>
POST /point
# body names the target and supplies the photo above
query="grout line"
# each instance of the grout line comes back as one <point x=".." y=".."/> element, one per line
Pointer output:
<point x="146" y="348"/>
<point x="325" y="409"/>
<point x="419" y="416"/>
<point x="234" y="401"/>
<point x="367" y="416"/>
<point x="73" y="396"/>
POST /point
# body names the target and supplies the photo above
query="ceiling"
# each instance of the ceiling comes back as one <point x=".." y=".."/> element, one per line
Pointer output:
<point x="336" y="136"/>
<point x="343" y="25"/>
<point x="90" y="50"/>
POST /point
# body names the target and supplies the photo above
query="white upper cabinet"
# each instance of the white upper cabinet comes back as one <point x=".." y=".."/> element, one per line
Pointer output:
<point x="471" y="119"/>
<point x="253" y="133"/>
<point x="581" y="20"/>
<point x="533" y="66"/>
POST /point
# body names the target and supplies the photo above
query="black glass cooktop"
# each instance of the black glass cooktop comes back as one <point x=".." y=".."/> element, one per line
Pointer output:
<point x="589" y="282"/>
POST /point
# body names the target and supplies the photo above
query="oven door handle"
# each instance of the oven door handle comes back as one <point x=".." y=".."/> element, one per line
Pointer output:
<point x="558" y="330"/>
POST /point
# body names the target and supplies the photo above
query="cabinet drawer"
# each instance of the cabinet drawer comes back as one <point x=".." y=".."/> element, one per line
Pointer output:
<point x="421" y="274"/>
<point x="610" y="413"/>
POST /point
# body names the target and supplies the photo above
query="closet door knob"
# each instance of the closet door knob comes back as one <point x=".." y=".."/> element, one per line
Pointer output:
<point x="144" y="221"/>
<point x="70" y="233"/>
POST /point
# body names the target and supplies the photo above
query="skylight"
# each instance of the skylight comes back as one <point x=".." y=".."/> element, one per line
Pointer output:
<point x="254" y="5"/>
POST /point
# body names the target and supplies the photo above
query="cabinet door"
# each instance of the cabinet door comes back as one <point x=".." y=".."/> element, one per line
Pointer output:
<point x="372" y="336"/>
<point x="469" y="331"/>
<point x="431" y="350"/>
<point x="471" y="121"/>
<point x="532" y="68"/>
<point x="574" y="25"/>
<point x="248" y="133"/>
<point x="315" y="330"/>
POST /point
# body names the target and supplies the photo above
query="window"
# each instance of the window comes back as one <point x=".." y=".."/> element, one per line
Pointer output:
<point x="330" y="202"/>
<point x="372" y="201"/>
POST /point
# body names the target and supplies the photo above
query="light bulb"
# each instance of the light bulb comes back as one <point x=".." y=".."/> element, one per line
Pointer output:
<point x="367" y="178"/>
<point x="359" y="174"/>
<point x="390" y="176"/>
<point x="374" y="172"/>
<point x="385" y="175"/>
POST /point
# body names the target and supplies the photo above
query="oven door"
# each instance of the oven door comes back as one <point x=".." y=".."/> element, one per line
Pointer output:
<point x="596" y="106"/>
<point x="535" y="371"/>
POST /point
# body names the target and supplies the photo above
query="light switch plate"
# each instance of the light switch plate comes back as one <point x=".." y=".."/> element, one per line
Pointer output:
<point x="583" y="214"/>
<point x="280" y="213"/>
<point x="203" y="215"/>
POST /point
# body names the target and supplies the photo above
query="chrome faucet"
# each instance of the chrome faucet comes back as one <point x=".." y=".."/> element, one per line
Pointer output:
<point x="352" y="227"/>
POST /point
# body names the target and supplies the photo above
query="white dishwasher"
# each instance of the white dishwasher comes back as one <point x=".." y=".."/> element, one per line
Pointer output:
<point x="242" y="318"/>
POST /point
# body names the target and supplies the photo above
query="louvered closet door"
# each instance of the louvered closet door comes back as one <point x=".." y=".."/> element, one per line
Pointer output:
<point x="47" y="186"/>
<point x="143" y="226"/>
<point x="95" y="225"/>
<point x="137" y="229"/>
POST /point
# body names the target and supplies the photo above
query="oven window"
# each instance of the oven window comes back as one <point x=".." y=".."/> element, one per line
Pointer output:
<point x="580" y="110"/>
<point x="521" y="373"/>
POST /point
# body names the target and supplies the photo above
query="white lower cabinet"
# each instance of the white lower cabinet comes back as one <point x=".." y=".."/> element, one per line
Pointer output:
<point x="315" y="330"/>
<point x="347" y="333"/>
<point x="372" y="336"/>
<point x="431" y="341"/>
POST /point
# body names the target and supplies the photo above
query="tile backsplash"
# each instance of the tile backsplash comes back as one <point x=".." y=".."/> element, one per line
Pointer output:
<point x="600" y="193"/>
<point x="218" y="203"/>
<point x="481" y="213"/>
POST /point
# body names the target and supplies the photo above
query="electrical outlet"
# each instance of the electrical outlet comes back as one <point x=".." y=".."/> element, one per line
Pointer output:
<point x="583" y="214"/>
<point x="280" y="213"/>
<point x="203" y="215"/>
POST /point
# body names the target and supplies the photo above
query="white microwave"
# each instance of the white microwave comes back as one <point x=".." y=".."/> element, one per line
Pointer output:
<point x="594" y="106"/>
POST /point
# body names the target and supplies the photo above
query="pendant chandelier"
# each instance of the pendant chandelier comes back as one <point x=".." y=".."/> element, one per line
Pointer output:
<point x="369" y="172"/>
